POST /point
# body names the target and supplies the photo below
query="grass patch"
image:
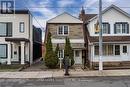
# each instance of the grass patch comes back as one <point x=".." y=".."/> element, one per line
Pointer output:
<point x="10" y="68"/>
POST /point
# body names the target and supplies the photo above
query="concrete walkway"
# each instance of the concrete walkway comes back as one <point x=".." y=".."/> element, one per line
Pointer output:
<point x="60" y="74"/>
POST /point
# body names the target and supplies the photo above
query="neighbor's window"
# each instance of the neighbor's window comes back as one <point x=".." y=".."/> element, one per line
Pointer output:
<point x="63" y="30"/>
<point x="107" y="50"/>
<point x="117" y="49"/>
<point x="3" y="51"/>
<point x="121" y="28"/>
<point x="124" y="49"/>
<point x="106" y="28"/>
<point x="21" y="27"/>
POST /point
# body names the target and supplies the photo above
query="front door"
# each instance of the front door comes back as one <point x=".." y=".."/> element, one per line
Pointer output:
<point x="125" y="52"/>
<point x="19" y="53"/>
<point x="78" y="56"/>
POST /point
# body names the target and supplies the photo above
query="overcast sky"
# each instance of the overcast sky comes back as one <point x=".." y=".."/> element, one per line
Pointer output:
<point x="44" y="10"/>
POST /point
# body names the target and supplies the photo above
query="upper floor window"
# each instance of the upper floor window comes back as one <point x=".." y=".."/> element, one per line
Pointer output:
<point x="121" y="28"/>
<point x="63" y="30"/>
<point x="105" y="28"/>
<point x="21" y="27"/>
<point x="5" y="29"/>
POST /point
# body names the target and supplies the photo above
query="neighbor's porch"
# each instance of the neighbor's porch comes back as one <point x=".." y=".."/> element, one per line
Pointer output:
<point x="113" y="54"/>
<point x="17" y="51"/>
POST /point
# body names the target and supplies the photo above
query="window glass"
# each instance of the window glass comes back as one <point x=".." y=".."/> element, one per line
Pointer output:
<point x="60" y="30"/>
<point x="3" y="29"/>
<point x="65" y="29"/>
<point x="77" y="53"/>
<point x="3" y="51"/>
<point x="107" y="50"/>
<point x="96" y="51"/>
<point x="117" y="49"/>
<point x="121" y="28"/>
<point x="61" y="54"/>
<point x="124" y="49"/>
<point x="105" y="28"/>
<point x="22" y="27"/>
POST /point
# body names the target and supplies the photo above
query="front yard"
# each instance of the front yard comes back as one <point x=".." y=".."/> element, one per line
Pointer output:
<point x="10" y="68"/>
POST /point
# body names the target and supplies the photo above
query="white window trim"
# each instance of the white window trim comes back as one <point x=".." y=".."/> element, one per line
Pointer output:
<point x="63" y="54"/>
<point x="63" y="30"/>
<point x="121" y="47"/>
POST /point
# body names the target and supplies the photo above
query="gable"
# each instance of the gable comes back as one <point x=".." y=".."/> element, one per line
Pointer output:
<point x="114" y="9"/>
<point x="64" y="18"/>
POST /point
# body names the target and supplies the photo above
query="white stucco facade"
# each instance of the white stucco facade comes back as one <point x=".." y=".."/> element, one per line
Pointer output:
<point x="17" y="51"/>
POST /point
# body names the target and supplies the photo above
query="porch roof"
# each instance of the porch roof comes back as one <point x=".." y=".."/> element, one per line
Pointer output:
<point x="16" y="39"/>
<point x="110" y="38"/>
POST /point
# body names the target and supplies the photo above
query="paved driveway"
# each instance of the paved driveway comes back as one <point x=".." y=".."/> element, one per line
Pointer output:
<point x="68" y="82"/>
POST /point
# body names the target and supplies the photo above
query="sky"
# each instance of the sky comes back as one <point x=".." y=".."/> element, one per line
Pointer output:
<point x="43" y="10"/>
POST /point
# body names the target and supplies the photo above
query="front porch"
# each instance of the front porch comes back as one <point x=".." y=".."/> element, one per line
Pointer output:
<point x="114" y="55"/>
<point x="17" y="51"/>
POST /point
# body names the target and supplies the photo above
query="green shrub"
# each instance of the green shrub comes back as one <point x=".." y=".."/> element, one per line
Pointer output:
<point x="69" y="51"/>
<point x="51" y="59"/>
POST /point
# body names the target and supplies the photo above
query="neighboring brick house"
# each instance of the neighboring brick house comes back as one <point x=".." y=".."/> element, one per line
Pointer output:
<point x="18" y="38"/>
<point x="66" y="25"/>
<point x="116" y="37"/>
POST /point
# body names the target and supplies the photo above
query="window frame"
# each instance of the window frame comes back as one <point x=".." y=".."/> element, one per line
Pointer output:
<point x="6" y="52"/>
<point x="63" y="30"/>
<point x="20" y="27"/>
<point x="125" y="50"/>
<point x="108" y="31"/>
<point x="121" y="29"/>
<point x="114" y="50"/>
<point x="7" y="34"/>
<point x="59" y="54"/>
<point x="108" y="26"/>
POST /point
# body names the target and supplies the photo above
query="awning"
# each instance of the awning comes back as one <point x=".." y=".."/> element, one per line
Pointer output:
<point x="17" y="39"/>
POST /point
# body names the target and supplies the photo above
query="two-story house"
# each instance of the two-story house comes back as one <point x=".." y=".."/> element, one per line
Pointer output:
<point x="66" y="25"/>
<point x="16" y="37"/>
<point x="116" y="37"/>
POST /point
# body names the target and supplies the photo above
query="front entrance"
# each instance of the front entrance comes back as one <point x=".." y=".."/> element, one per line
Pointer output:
<point x="19" y="53"/>
<point x="78" y="56"/>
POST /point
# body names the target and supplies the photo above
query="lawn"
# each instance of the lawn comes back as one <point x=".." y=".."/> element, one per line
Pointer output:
<point x="10" y="68"/>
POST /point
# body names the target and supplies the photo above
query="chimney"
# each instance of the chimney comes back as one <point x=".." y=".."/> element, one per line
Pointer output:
<point x="82" y="14"/>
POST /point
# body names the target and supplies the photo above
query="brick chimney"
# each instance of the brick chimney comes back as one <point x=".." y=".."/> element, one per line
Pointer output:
<point x="82" y="14"/>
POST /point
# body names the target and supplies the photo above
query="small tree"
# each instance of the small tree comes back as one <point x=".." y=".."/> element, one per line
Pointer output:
<point x="69" y="50"/>
<point x="51" y="60"/>
<point x="57" y="50"/>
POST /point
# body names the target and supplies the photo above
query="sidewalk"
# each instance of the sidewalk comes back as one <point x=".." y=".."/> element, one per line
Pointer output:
<point x="60" y="74"/>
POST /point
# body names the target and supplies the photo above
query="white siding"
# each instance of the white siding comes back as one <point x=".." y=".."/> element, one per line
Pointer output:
<point x="111" y="16"/>
<point x="113" y="58"/>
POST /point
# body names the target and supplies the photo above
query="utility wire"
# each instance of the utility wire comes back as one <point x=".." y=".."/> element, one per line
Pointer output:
<point x="34" y="17"/>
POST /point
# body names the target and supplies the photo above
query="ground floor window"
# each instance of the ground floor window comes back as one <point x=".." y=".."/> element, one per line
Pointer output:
<point x="61" y="54"/>
<point x="124" y="49"/>
<point x="109" y="50"/>
<point x="3" y="51"/>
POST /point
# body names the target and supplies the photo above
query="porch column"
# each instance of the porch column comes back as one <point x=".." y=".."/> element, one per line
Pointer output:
<point x="22" y="52"/>
<point x="9" y="54"/>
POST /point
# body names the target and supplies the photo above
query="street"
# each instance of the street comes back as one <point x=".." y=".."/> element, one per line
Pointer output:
<point x="68" y="82"/>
